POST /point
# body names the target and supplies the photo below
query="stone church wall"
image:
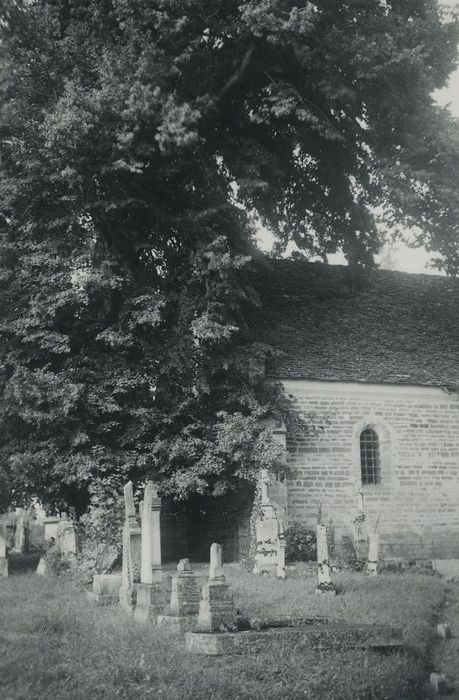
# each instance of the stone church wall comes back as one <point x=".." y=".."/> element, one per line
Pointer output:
<point x="417" y="501"/>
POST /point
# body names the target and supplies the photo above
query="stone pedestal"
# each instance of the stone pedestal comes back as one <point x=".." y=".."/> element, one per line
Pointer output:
<point x="185" y="599"/>
<point x="216" y="609"/>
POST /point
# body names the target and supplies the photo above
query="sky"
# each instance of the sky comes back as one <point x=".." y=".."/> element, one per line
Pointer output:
<point x="401" y="256"/>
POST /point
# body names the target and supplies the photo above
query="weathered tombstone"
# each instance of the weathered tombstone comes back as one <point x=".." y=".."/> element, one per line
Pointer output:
<point x="216" y="608"/>
<point x="373" y="551"/>
<point x="267" y="529"/>
<point x="325" y="584"/>
<point x="280" y="572"/>
<point x="105" y="588"/>
<point x="20" y="534"/>
<point x="50" y="525"/>
<point x="131" y="552"/>
<point x="66" y="537"/>
<point x="3" y="552"/>
<point x="184" y="603"/>
<point x="150" y="592"/>
<point x="42" y="568"/>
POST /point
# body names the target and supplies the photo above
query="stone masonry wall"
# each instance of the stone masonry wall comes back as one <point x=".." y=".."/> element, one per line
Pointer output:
<point x="417" y="501"/>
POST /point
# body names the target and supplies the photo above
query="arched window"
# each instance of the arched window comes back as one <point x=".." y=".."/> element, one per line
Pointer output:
<point x="370" y="458"/>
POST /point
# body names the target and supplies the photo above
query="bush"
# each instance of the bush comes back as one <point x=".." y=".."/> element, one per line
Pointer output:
<point x="300" y="543"/>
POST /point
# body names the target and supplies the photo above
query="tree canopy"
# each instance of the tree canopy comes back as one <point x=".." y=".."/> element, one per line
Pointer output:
<point x="140" y="142"/>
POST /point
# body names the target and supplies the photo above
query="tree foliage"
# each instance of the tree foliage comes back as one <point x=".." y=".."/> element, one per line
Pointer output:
<point x="140" y="140"/>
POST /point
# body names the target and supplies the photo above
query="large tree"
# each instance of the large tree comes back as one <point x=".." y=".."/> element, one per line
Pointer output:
<point x="140" y="141"/>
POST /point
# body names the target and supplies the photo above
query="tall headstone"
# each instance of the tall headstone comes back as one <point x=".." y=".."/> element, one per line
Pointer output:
<point x="150" y="591"/>
<point x="3" y="552"/>
<point x="131" y="551"/>
<point x="20" y="533"/>
<point x="216" y="608"/>
<point x="325" y="584"/>
<point x="184" y="603"/>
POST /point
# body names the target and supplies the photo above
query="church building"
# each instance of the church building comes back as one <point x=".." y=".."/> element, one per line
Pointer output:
<point x="374" y="361"/>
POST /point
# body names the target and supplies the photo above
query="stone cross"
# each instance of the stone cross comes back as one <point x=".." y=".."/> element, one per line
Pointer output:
<point x="216" y="563"/>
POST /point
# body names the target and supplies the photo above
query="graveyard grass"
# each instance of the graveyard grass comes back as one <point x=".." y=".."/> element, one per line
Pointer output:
<point x="55" y="644"/>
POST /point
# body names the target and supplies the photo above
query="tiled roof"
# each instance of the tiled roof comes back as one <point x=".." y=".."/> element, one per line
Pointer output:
<point x="388" y="327"/>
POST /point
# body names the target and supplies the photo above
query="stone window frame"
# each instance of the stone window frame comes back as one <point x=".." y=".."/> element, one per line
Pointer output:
<point x="387" y="452"/>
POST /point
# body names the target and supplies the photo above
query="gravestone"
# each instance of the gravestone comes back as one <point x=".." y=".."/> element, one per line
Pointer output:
<point x="270" y="553"/>
<point x="280" y="571"/>
<point x="105" y="588"/>
<point x="216" y="608"/>
<point x="66" y="537"/>
<point x="150" y="591"/>
<point x="325" y="584"/>
<point x="21" y="534"/>
<point x="373" y="551"/>
<point x="3" y="552"/>
<point x="185" y="598"/>
<point x="50" y="525"/>
<point x="131" y="552"/>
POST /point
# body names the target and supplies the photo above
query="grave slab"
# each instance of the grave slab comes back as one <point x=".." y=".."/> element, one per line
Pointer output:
<point x="178" y="623"/>
<point x="328" y="636"/>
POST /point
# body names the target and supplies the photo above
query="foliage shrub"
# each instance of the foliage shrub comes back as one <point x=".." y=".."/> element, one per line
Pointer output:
<point x="100" y="528"/>
<point x="300" y="543"/>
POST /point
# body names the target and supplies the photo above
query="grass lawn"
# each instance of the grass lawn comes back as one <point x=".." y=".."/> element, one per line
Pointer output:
<point x="55" y="644"/>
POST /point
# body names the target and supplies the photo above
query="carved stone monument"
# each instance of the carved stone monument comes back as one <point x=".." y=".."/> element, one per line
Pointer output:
<point x="269" y="533"/>
<point x="150" y="590"/>
<point x="216" y="608"/>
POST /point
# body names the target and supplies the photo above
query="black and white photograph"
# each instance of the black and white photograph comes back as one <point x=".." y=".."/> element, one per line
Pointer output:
<point x="229" y="349"/>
